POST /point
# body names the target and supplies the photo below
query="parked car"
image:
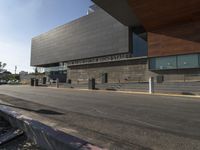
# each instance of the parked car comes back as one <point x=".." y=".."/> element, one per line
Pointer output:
<point x="13" y="82"/>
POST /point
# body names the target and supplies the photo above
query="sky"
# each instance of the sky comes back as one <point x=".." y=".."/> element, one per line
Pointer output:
<point x="20" y="20"/>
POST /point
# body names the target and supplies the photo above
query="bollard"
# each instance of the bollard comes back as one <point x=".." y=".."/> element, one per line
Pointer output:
<point x="57" y="83"/>
<point x="91" y="84"/>
<point x="69" y="81"/>
<point x="32" y="81"/>
<point x="36" y="82"/>
<point x="44" y="80"/>
<point x="151" y="85"/>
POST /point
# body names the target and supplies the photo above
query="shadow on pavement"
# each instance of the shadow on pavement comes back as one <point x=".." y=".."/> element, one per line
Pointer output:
<point x="187" y="93"/>
<point x="40" y="111"/>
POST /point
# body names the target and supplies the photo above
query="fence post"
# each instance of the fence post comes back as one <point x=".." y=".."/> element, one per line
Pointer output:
<point x="151" y="85"/>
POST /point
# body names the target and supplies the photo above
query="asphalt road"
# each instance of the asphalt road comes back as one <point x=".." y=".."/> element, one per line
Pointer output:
<point x="121" y="121"/>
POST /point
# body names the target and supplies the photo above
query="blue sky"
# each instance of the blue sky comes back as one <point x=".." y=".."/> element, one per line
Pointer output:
<point x="20" y="20"/>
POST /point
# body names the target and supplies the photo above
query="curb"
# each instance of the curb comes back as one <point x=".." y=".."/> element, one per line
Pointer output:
<point x="44" y="136"/>
<point x="132" y="92"/>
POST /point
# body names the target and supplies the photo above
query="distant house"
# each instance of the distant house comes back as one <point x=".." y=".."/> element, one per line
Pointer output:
<point x="25" y="77"/>
<point x="3" y="76"/>
<point x="4" y="73"/>
<point x="23" y="73"/>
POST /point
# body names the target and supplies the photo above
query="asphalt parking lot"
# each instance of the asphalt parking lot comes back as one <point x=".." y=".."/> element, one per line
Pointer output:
<point x="117" y="120"/>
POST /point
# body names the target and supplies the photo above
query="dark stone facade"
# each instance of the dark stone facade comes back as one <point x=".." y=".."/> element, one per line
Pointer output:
<point x="128" y="71"/>
<point x="118" y="72"/>
<point x="94" y="35"/>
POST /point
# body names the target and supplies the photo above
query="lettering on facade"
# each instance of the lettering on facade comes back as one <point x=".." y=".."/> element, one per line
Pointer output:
<point x="99" y="59"/>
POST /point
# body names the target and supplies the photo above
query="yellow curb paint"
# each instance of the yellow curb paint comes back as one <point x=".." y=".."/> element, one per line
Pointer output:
<point x="132" y="92"/>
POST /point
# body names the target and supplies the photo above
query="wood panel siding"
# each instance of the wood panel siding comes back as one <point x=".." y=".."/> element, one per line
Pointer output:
<point x="177" y="39"/>
<point x="173" y="25"/>
<point x="154" y="14"/>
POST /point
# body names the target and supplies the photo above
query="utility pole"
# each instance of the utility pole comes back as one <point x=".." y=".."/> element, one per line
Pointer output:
<point x="15" y="70"/>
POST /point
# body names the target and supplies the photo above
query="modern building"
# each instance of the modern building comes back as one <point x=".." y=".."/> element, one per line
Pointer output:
<point x="91" y="46"/>
<point x="124" y="41"/>
<point x="173" y="33"/>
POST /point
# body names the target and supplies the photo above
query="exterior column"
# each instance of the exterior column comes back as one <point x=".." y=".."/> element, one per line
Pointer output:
<point x="151" y="85"/>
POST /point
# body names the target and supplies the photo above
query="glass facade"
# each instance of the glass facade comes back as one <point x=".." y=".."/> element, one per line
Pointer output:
<point x="163" y="63"/>
<point x="52" y="69"/>
<point x="140" y="45"/>
<point x="175" y="62"/>
<point x="57" y="72"/>
<point x="62" y="67"/>
<point x="188" y="61"/>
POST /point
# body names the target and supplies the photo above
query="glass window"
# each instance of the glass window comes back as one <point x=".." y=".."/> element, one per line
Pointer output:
<point x="188" y="61"/>
<point x="140" y="45"/>
<point x="152" y="64"/>
<point x="162" y="63"/>
<point x="199" y="60"/>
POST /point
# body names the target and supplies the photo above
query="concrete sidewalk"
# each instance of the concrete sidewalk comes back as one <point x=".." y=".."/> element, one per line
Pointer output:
<point x="184" y="88"/>
<point x="132" y="92"/>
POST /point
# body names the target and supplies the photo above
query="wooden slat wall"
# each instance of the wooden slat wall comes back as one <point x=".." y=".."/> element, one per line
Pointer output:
<point x="154" y="14"/>
<point x="177" y="39"/>
<point x="173" y="25"/>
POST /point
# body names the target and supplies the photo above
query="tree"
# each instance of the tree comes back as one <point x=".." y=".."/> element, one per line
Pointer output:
<point x="2" y="65"/>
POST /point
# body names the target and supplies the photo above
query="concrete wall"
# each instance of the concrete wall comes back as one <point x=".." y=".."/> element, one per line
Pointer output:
<point x="127" y="71"/>
<point x="26" y="79"/>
